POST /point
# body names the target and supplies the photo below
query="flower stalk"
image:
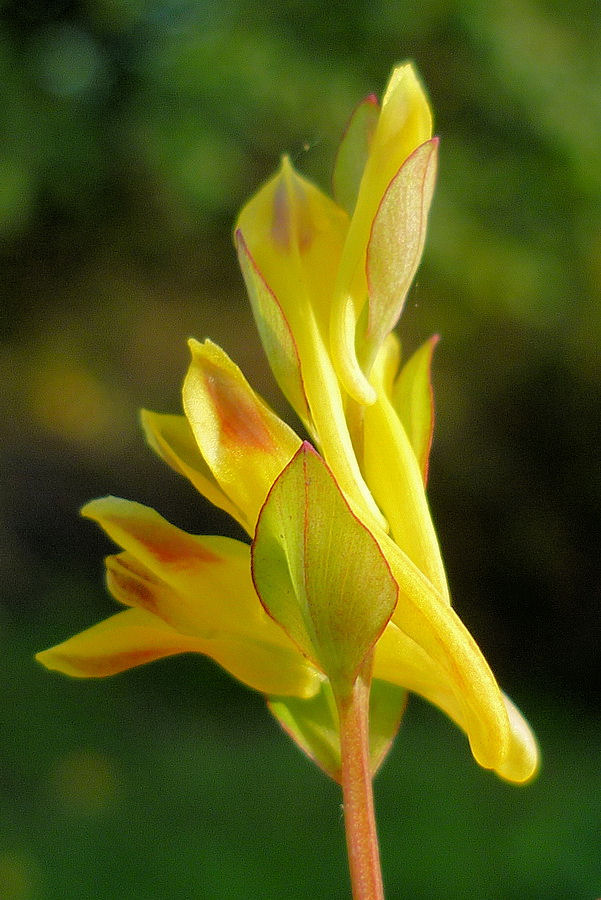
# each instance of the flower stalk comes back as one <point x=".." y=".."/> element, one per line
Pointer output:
<point x="357" y="791"/>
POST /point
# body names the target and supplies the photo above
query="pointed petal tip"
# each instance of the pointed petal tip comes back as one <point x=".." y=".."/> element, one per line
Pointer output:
<point x="401" y="72"/>
<point x="195" y="346"/>
<point x="286" y="168"/>
<point x="286" y="163"/>
<point x="204" y="347"/>
<point x="53" y="662"/>
<point x="305" y="449"/>
<point x="208" y="352"/>
<point x="97" y="508"/>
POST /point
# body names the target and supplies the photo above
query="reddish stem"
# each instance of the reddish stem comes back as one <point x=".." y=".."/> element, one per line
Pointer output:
<point x="357" y="793"/>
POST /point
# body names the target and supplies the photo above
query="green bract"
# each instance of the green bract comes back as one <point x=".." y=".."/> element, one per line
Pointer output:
<point x="319" y="572"/>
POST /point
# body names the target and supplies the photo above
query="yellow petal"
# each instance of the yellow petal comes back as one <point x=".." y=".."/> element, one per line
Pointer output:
<point x="343" y="345"/>
<point x="276" y="335"/>
<point x="135" y="637"/>
<point x="405" y="122"/>
<point x="126" y="640"/>
<point x="394" y="477"/>
<point x="172" y="439"/>
<point x="216" y="596"/>
<point x="295" y="234"/>
<point x="166" y="550"/>
<point x="196" y="584"/>
<point x="244" y="443"/>
<point x="332" y="432"/>
<point x="523" y="759"/>
<point x="413" y="400"/>
<point x="423" y="615"/>
<point x="402" y="661"/>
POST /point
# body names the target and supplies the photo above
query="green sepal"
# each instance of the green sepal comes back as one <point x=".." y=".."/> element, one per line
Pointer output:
<point x="319" y="572"/>
<point x="353" y="151"/>
<point x="313" y="724"/>
<point x="396" y="243"/>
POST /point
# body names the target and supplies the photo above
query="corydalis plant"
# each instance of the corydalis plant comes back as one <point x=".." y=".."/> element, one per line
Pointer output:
<point x="340" y="604"/>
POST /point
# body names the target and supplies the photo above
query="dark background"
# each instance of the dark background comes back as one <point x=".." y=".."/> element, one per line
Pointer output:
<point x="133" y="131"/>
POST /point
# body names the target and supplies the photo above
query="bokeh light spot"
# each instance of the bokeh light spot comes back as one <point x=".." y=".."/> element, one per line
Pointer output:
<point x="83" y="783"/>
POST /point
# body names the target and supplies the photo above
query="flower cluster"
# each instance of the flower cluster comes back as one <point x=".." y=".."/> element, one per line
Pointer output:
<point x="344" y="568"/>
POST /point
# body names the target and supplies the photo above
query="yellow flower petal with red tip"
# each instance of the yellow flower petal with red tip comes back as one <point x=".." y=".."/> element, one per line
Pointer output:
<point x="400" y="660"/>
<point x="413" y="400"/>
<point x="393" y="474"/>
<point x="195" y="583"/>
<point x="404" y="124"/>
<point x="126" y="640"/>
<point x="192" y="594"/>
<point x="244" y="443"/>
<point x="215" y="596"/>
<point x="173" y="440"/>
<point x="295" y="234"/>
<point x="136" y="636"/>
<point x="160" y="546"/>
<point x="290" y="236"/>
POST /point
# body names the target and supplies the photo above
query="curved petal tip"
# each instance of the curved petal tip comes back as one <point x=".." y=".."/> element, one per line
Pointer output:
<point x="522" y="762"/>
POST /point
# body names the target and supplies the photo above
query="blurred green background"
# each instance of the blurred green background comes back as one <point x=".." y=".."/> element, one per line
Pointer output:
<point x="132" y="132"/>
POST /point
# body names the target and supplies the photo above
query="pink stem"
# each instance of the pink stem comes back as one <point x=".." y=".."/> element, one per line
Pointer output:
<point x="357" y="793"/>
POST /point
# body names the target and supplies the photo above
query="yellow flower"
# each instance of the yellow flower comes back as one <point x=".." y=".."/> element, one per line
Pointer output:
<point x="188" y="593"/>
<point x="344" y="564"/>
